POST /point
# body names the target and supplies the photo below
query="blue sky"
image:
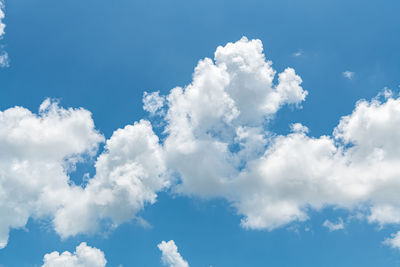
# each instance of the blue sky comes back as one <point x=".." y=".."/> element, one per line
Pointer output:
<point x="103" y="56"/>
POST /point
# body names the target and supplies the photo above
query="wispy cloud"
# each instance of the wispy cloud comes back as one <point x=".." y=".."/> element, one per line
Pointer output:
<point x="348" y="74"/>
<point x="393" y="241"/>
<point x="2" y="16"/>
<point x="298" y="53"/>
<point x="4" y="60"/>
<point x="339" y="225"/>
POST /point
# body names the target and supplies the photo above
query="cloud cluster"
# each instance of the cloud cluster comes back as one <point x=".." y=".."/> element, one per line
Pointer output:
<point x="170" y="255"/>
<point x="215" y="124"/>
<point x="217" y="144"/>
<point x="37" y="153"/>
<point x="84" y="256"/>
<point x="128" y="174"/>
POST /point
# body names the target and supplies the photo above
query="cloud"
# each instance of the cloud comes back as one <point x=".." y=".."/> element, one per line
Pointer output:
<point x="216" y="144"/>
<point x="37" y="153"/>
<point x="226" y="105"/>
<point x="153" y="103"/>
<point x="84" y="256"/>
<point x="170" y="255"/>
<point x="298" y="53"/>
<point x="2" y="16"/>
<point x="4" y="60"/>
<point x="334" y="226"/>
<point x="348" y="74"/>
<point x="128" y="174"/>
<point x="393" y="241"/>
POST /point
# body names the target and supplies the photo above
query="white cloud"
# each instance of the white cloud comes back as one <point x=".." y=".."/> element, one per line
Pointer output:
<point x="217" y="144"/>
<point x="153" y="103"/>
<point x="393" y="241"/>
<point x="128" y="174"/>
<point x="170" y="255"/>
<point x="339" y="225"/>
<point x="84" y="256"/>
<point x="2" y="16"/>
<point x="298" y="53"/>
<point x="356" y="167"/>
<point x="4" y="60"/>
<point x="37" y="152"/>
<point x="348" y="74"/>
<point x="227" y="103"/>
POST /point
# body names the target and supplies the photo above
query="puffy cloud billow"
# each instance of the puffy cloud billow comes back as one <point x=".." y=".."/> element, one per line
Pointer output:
<point x="37" y="153"/>
<point x="84" y="256"/>
<point x="170" y="255"/>
<point x="217" y="144"/>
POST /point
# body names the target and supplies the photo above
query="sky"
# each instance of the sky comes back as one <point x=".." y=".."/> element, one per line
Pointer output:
<point x="199" y="133"/>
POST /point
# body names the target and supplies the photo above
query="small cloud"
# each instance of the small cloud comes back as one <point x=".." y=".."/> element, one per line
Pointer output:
<point x="153" y="103"/>
<point x="299" y="128"/>
<point x="2" y="16"/>
<point x="386" y="93"/>
<point x="170" y="255"/>
<point x="84" y="255"/>
<point x="298" y="53"/>
<point x="393" y="241"/>
<point x="142" y="222"/>
<point x="334" y="226"/>
<point x="4" y="60"/>
<point x="348" y="74"/>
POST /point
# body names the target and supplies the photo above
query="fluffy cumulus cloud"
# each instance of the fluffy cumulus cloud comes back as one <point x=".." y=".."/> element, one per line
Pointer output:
<point x="36" y="153"/>
<point x="84" y="256"/>
<point x="215" y="124"/>
<point x="217" y="143"/>
<point x="39" y="151"/>
<point x="128" y="174"/>
<point x="170" y="255"/>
